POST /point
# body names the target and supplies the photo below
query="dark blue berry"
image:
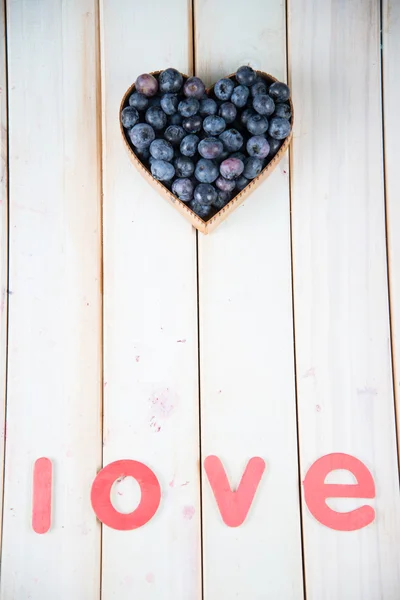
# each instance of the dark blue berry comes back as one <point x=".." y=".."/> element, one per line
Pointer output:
<point x="210" y="148"/>
<point x="142" y="135"/>
<point x="239" y="155"/>
<point x="208" y="106"/>
<point x="206" y="171"/>
<point x="194" y="88"/>
<point x="192" y="124"/>
<point x="170" y="80"/>
<point x="240" y="95"/>
<point x="174" y="134"/>
<point x="232" y="140"/>
<point x="189" y="145"/>
<point x="257" y="124"/>
<point x="231" y="168"/>
<point x="241" y="183"/>
<point x="282" y="110"/>
<point x="224" y="184"/>
<point x="129" y="116"/>
<point x="228" y="112"/>
<point x="162" y="170"/>
<point x="183" y="188"/>
<point x="246" y="114"/>
<point x="169" y="103"/>
<point x="146" y="84"/>
<point x="279" y="128"/>
<point x="201" y="210"/>
<point x="156" y="117"/>
<point x="214" y="125"/>
<point x="279" y="91"/>
<point x="222" y="199"/>
<point x="246" y="76"/>
<point x="274" y="146"/>
<point x="263" y="104"/>
<point x="175" y="119"/>
<point x="139" y="101"/>
<point x="184" y="167"/>
<point x="258" y="88"/>
<point x="161" y="150"/>
<point x="143" y="154"/>
<point x="223" y="89"/>
<point x="205" y="194"/>
<point x="258" y="146"/>
<point x="252" y="167"/>
<point x="188" y="107"/>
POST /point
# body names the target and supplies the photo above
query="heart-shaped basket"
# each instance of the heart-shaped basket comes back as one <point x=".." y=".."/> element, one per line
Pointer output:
<point x="209" y="225"/>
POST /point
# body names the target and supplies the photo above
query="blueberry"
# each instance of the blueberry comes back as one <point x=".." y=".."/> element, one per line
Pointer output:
<point x="208" y="106"/>
<point x="228" y="112"/>
<point x="162" y="170"/>
<point x="161" y="150"/>
<point x="231" y="168"/>
<point x="258" y="146"/>
<point x="241" y="183"/>
<point x="200" y="209"/>
<point x="246" y="114"/>
<point x="175" y="119"/>
<point x="252" y="167"/>
<point x="129" y="116"/>
<point x="139" y="101"/>
<point x="257" y="124"/>
<point x="189" y="145"/>
<point x="240" y="95"/>
<point x="279" y="91"/>
<point x="223" y="89"/>
<point x="206" y="171"/>
<point x="263" y="104"/>
<point x="225" y="154"/>
<point x="142" y="135"/>
<point x="188" y="107"/>
<point x="143" y="154"/>
<point x="156" y="117"/>
<point x="169" y="103"/>
<point x="239" y="155"/>
<point x="224" y="184"/>
<point x="279" y="128"/>
<point x="205" y="194"/>
<point x="258" y="88"/>
<point x="282" y="110"/>
<point x="232" y="140"/>
<point x="174" y="134"/>
<point x="214" y="125"/>
<point x="146" y="84"/>
<point x="194" y="88"/>
<point x="222" y="199"/>
<point x="155" y="101"/>
<point x="170" y="80"/>
<point x="246" y="76"/>
<point x="274" y="146"/>
<point x="192" y="124"/>
<point x="183" y="188"/>
<point x="184" y="167"/>
<point x="210" y="148"/>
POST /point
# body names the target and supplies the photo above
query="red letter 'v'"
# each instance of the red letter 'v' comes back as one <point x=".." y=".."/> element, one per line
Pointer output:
<point x="234" y="506"/>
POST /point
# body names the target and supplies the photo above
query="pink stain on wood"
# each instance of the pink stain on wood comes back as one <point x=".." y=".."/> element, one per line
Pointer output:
<point x="309" y="373"/>
<point x="181" y="341"/>
<point x="137" y="358"/>
<point x="150" y="577"/>
<point x="41" y="502"/>
<point x="188" y="512"/>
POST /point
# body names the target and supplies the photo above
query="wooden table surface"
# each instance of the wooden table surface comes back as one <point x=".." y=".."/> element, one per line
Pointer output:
<point x="125" y="334"/>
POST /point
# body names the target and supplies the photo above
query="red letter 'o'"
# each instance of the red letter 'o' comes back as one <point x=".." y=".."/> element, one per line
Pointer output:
<point x="149" y="501"/>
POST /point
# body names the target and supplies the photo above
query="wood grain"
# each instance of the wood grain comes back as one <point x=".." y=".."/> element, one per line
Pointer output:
<point x="391" y="98"/>
<point x="55" y="309"/>
<point x="344" y="373"/>
<point x="150" y="320"/>
<point x="246" y="339"/>
<point x="3" y="245"/>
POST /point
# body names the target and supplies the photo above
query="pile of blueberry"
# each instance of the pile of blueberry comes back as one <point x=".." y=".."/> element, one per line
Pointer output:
<point x="206" y="148"/>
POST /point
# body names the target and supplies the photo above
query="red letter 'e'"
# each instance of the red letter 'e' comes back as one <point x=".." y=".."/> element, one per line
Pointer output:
<point x="316" y="491"/>
<point x="149" y="501"/>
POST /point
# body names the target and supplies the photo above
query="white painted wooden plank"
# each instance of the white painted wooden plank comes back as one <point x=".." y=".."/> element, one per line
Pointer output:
<point x="150" y="317"/>
<point x="246" y="339"/>
<point x="391" y="98"/>
<point x="3" y="243"/>
<point x="54" y="376"/>
<point x="342" y="336"/>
